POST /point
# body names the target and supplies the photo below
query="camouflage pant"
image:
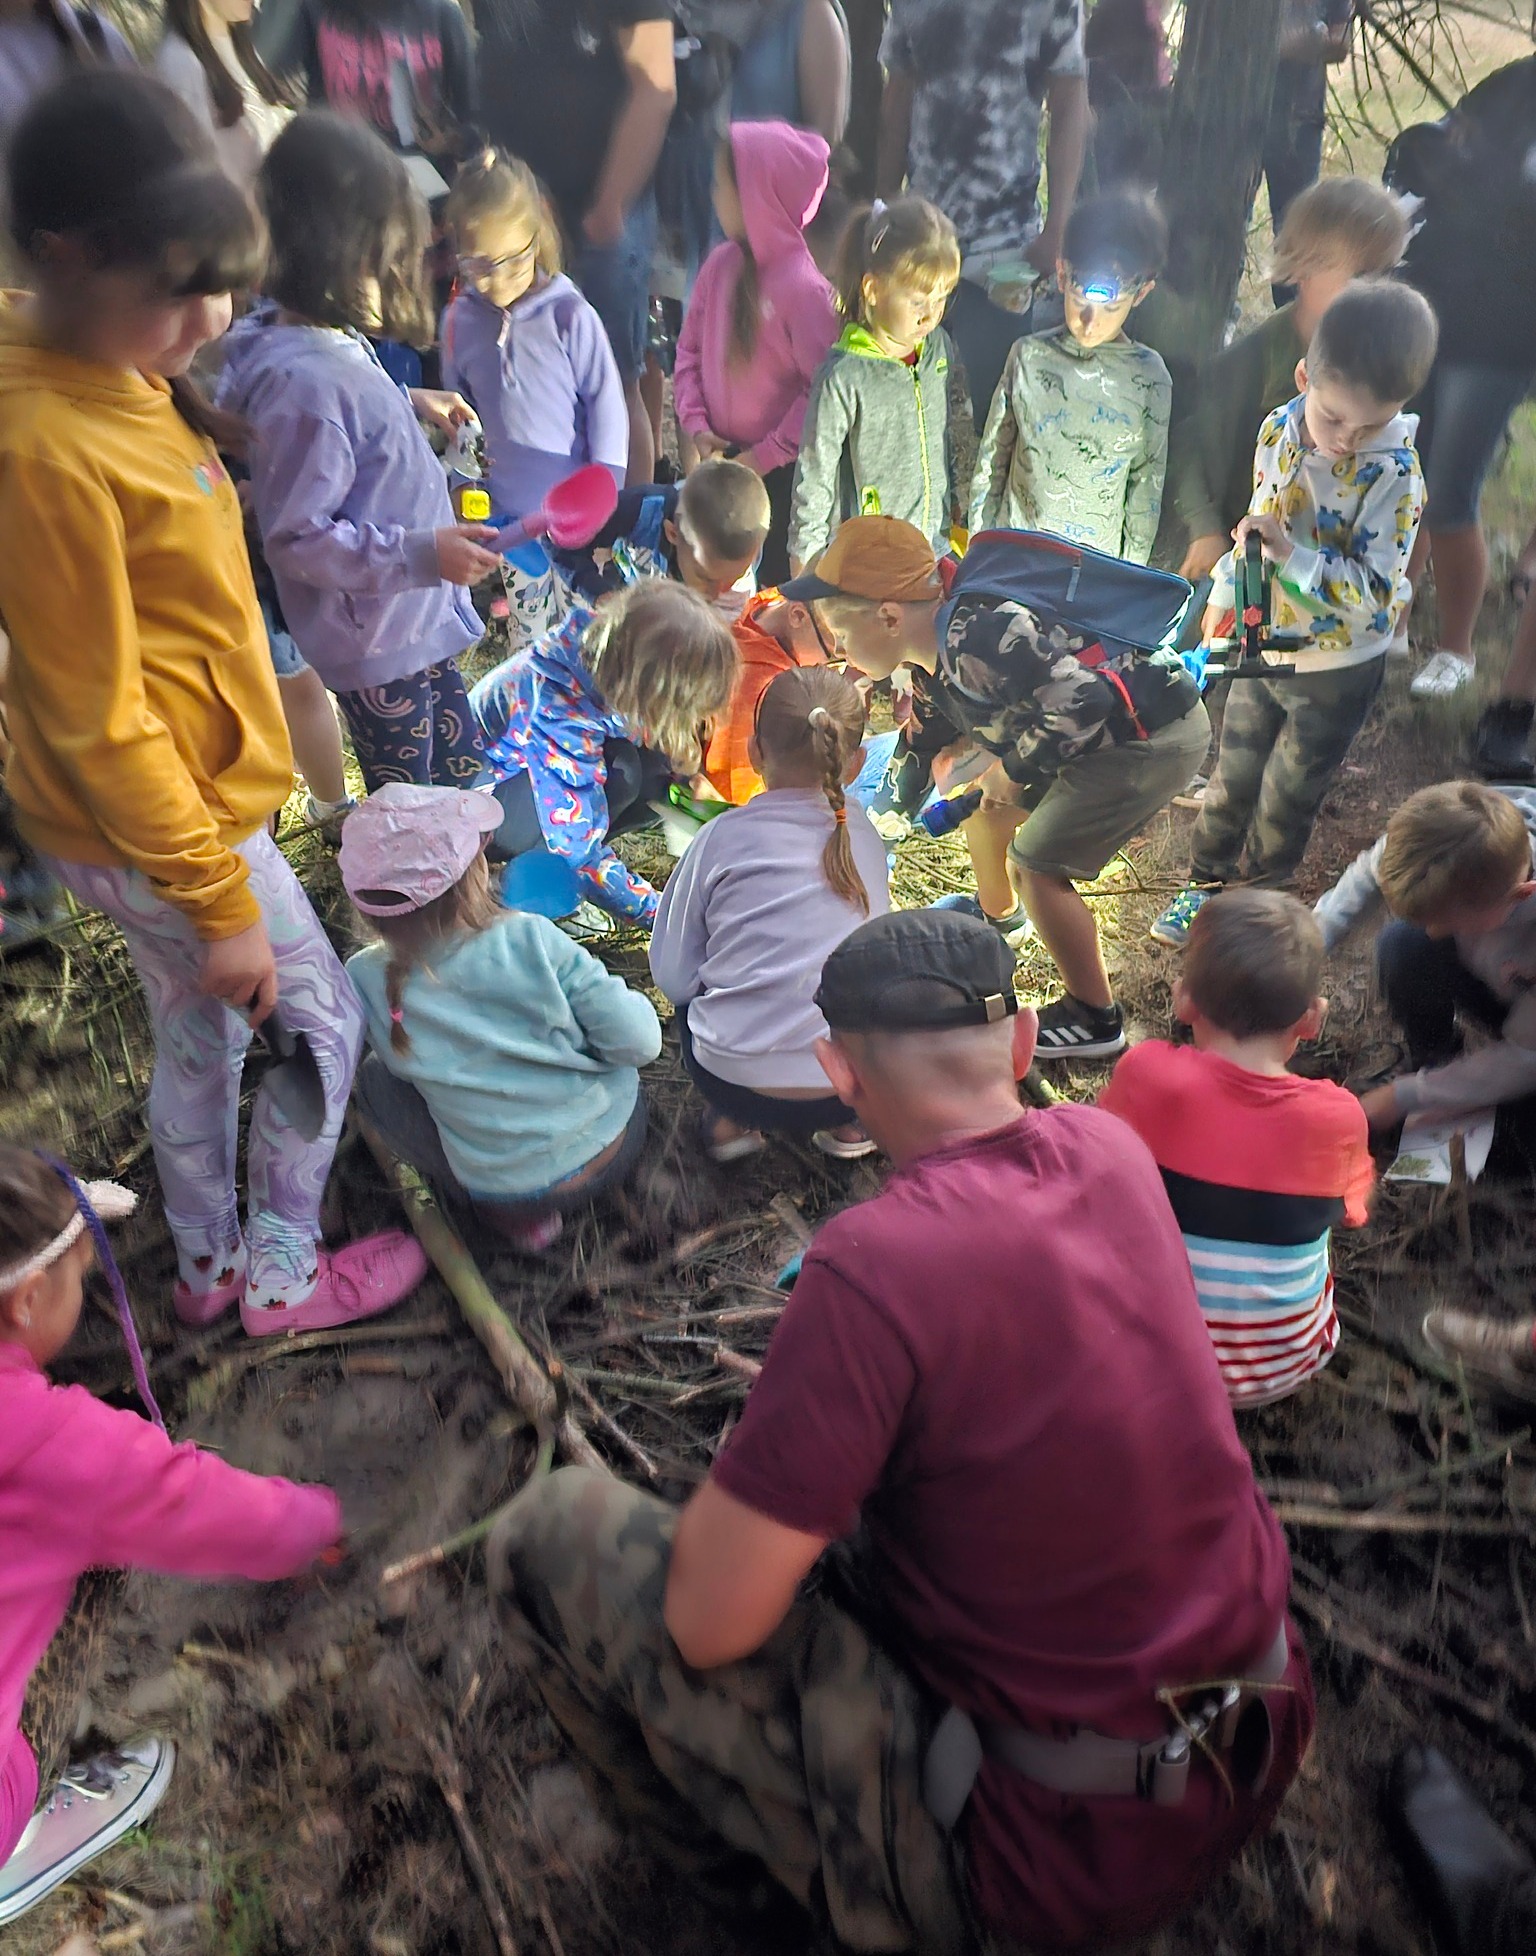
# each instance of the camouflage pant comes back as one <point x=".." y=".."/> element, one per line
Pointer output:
<point x="806" y="1756"/>
<point x="1281" y="743"/>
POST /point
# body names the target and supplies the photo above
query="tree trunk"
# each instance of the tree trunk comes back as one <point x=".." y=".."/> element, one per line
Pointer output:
<point x="1213" y="153"/>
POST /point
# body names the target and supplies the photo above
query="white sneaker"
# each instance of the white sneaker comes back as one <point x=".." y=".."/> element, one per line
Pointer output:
<point x="1400" y="648"/>
<point x="94" y="1804"/>
<point x="1444" y="673"/>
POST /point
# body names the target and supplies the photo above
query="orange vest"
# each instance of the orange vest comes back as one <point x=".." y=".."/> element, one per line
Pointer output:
<point x="762" y="660"/>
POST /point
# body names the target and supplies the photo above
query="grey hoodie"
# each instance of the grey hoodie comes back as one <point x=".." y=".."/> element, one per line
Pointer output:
<point x="348" y="498"/>
<point x="876" y="442"/>
<point x="1505" y="960"/>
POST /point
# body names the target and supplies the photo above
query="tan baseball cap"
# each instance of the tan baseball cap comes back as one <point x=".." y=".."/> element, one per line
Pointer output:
<point x="878" y="558"/>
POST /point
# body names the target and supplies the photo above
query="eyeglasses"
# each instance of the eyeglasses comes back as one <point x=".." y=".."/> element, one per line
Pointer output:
<point x="490" y="267"/>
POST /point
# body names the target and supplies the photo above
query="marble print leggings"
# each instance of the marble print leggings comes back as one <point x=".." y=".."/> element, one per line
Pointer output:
<point x="420" y="729"/>
<point x="194" y="1098"/>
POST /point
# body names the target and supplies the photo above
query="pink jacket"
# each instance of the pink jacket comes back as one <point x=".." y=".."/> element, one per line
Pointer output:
<point x="781" y="175"/>
<point x="83" y="1484"/>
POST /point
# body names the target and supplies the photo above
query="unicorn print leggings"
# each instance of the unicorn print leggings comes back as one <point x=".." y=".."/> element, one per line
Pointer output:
<point x="194" y="1099"/>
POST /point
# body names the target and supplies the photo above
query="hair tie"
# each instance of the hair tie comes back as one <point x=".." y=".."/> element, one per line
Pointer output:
<point x="817" y="715"/>
<point x="840" y="815"/>
<point x="396" y="1016"/>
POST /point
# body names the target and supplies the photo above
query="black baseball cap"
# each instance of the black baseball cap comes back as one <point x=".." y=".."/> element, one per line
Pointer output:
<point x="918" y="971"/>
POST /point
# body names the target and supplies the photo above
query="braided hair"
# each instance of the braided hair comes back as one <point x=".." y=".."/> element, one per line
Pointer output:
<point x="814" y="715"/>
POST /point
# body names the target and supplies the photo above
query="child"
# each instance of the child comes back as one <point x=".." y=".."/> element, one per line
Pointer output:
<point x="761" y="318"/>
<point x="877" y="439"/>
<point x="1259" y="1165"/>
<point x="1077" y="438"/>
<point x="350" y="501"/>
<point x="773" y="635"/>
<point x="592" y="723"/>
<point x="707" y="531"/>
<point x="752" y="911"/>
<point x="86" y="1485"/>
<point x="209" y="57"/>
<point x="504" y="1055"/>
<point x="1337" y="498"/>
<point x="146" y="764"/>
<point x="1341" y="229"/>
<point x="522" y="345"/>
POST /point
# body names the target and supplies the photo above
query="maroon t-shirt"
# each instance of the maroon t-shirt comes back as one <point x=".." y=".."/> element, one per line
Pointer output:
<point x="1000" y="1362"/>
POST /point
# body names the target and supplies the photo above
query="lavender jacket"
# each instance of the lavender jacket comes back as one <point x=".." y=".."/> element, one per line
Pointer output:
<point x="542" y="378"/>
<point x="348" y="498"/>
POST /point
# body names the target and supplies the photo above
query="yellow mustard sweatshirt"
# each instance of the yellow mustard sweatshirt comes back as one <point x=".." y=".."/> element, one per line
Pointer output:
<point x="146" y="730"/>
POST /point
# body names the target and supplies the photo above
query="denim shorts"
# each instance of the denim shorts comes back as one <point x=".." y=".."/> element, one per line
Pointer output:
<point x="616" y="280"/>
<point x="287" y="660"/>
<point x="1463" y="413"/>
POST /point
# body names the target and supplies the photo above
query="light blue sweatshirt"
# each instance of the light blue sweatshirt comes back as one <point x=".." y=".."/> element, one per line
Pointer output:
<point x="523" y="1047"/>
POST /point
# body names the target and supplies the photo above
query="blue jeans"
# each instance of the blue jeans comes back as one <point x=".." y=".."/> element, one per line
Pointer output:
<point x="878" y="750"/>
<point x="616" y="280"/>
<point x="1463" y="413"/>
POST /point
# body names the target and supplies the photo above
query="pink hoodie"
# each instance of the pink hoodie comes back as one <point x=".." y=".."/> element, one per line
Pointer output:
<point x="759" y="405"/>
<point x="83" y="1484"/>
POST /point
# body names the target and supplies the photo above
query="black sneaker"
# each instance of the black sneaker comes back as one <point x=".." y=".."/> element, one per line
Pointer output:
<point x="1071" y="1030"/>
<point x="1501" y="744"/>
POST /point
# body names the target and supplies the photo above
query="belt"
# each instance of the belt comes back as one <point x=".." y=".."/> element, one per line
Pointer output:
<point x="1089" y="1763"/>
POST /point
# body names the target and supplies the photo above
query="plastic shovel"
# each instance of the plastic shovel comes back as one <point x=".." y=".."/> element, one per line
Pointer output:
<point x="571" y="514"/>
<point x="292" y="1077"/>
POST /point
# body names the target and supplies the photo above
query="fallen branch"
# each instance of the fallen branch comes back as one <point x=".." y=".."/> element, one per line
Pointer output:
<point x="527" y="1385"/>
<point x="449" y="1775"/>
<point x="467" y="1538"/>
<point x="1306" y="1514"/>
<point x="209" y="1387"/>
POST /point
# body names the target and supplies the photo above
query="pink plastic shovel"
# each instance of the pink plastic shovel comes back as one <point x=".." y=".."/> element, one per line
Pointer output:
<point x="572" y="513"/>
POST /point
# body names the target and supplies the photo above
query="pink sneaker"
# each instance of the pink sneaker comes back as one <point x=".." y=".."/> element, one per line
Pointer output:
<point x="201" y="1307"/>
<point x="359" y="1281"/>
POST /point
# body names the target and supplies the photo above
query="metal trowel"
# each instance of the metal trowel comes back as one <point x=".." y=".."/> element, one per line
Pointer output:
<point x="291" y="1075"/>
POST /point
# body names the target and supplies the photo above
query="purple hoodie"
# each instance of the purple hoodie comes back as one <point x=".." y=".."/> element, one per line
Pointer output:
<point x="348" y="498"/>
<point x="759" y="404"/>
<point x="542" y="378"/>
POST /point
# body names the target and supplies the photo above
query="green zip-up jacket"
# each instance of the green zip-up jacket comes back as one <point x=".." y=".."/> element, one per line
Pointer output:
<point x="1076" y="443"/>
<point x="876" y="442"/>
<point x="1210" y="454"/>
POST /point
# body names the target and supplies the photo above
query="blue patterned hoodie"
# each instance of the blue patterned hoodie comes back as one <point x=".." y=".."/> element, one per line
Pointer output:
<point x="544" y="717"/>
<point x="1352" y="521"/>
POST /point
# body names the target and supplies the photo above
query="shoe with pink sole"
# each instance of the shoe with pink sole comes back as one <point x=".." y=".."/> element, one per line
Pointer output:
<point x="199" y="1308"/>
<point x="358" y="1281"/>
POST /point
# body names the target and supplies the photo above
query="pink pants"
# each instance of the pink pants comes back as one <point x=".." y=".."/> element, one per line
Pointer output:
<point x="18" y="1795"/>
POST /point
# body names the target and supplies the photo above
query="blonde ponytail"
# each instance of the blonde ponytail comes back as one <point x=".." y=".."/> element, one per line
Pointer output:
<point x="814" y="714"/>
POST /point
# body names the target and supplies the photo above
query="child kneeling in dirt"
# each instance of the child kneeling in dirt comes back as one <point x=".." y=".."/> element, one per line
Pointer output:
<point x="87" y="1485"/>
<point x="1259" y="1165"/>
<point x="504" y="1055"/>
<point x="752" y="911"/>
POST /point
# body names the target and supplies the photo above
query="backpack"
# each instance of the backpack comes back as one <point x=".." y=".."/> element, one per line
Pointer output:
<point x="1118" y="621"/>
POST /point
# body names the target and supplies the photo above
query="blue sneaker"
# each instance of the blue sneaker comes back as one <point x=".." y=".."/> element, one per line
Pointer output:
<point x="1172" y="927"/>
<point x="1015" y="929"/>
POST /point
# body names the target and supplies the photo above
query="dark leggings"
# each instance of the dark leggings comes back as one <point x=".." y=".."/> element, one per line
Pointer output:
<point x="773" y="566"/>
<point x="799" y="1119"/>
<point x="1425" y="984"/>
<point x="420" y="729"/>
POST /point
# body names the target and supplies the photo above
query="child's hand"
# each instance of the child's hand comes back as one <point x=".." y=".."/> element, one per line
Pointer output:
<point x="707" y="447"/>
<point x="1210" y="623"/>
<point x="998" y="788"/>
<point x="461" y="555"/>
<point x="1380" y="1107"/>
<point x="1202" y="557"/>
<point x="446" y="412"/>
<point x="1277" y="545"/>
<point x="241" y="972"/>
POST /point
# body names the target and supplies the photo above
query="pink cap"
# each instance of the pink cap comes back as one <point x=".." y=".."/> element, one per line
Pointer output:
<point x="406" y="845"/>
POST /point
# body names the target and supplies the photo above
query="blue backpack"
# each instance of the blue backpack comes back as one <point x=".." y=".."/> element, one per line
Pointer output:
<point x="1119" y="621"/>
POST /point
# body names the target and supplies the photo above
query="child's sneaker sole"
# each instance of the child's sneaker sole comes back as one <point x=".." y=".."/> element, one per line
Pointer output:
<point x="91" y="1807"/>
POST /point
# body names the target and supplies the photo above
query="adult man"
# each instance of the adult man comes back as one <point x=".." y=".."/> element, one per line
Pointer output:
<point x="583" y="91"/>
<point x="966" y="82"/>
<point x="1083" y="760"/>
<point x="999" y="1363"/>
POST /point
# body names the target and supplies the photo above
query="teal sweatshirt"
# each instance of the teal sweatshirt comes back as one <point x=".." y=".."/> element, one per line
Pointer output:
<point x="876" y="442"/>
<point x="523" y="1047"/>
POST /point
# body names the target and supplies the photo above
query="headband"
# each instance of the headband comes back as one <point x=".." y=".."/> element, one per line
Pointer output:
<point x="96" y="1203"/>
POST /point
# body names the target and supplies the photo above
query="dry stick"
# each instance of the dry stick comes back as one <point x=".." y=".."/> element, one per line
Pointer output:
<point x="528" y="1386"/>
<point x="631" y="1449"/>
<point x="1304" y="1514"/>
<point x="434" y="1557"/>
<point x="450" y="1783"/>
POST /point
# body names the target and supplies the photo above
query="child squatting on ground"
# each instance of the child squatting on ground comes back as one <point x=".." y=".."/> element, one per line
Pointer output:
<point x="1076" y="442"/>
<point x="876" y="439"/>
<point x="1337" y="498"/>
<point x="504" y="1055"/>
<point x="753" y="909"/>
<point x="708" y="531"/>
<point x="146" y="764"/>
<point x="87" y="1485"/>
<point x="1259" y="1164"/>
<point x="351" y="503"/>
<point x="595" y="721"/>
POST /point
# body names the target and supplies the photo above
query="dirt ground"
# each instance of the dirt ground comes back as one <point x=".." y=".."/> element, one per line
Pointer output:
<point x="327" y="1728"/>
